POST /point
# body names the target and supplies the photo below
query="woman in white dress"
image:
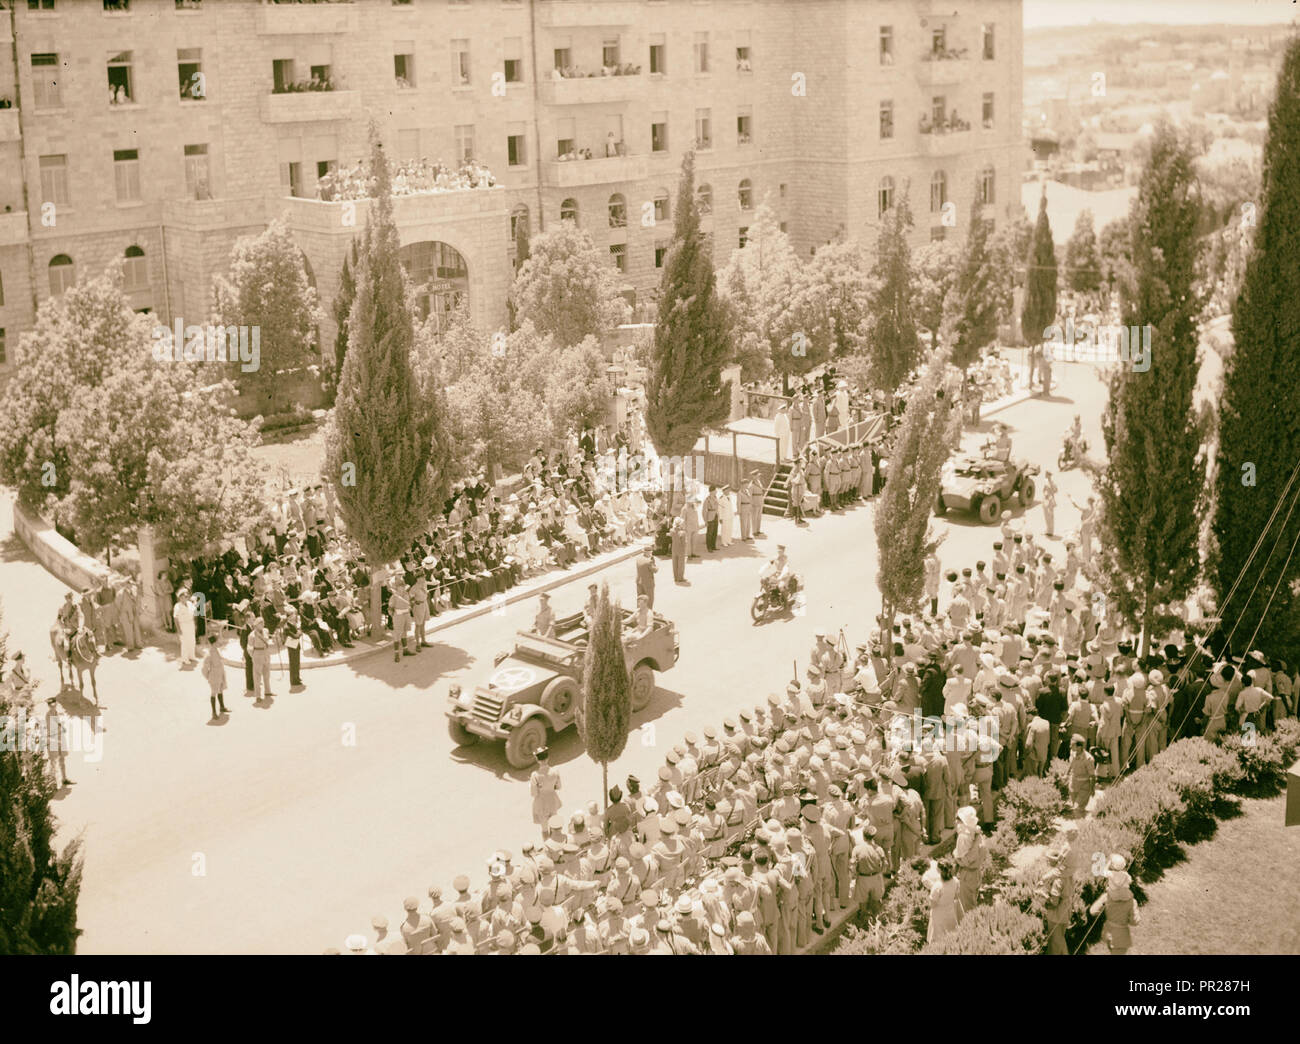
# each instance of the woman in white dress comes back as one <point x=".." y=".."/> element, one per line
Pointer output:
<point x="726" y="517"/>
<point x="184" y="614"/>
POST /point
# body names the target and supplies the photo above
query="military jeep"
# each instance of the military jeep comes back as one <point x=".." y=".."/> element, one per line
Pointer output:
<point x="533" y="690"/>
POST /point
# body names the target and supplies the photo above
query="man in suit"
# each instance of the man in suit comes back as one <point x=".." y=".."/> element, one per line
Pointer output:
<point x="745" y="510"/>
<point x="711" y="520"/>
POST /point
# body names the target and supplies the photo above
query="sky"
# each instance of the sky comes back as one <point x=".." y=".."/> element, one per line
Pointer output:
<point x="1048" y="13"/>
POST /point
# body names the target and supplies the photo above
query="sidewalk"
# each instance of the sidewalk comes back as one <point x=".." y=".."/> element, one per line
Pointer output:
<point x="232" y="655"/>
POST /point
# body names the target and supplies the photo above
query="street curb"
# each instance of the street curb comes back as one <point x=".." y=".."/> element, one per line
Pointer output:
<point x="446" y="620"/>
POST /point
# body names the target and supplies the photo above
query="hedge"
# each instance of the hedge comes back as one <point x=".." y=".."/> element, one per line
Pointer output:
<point x="1175" y="799"/>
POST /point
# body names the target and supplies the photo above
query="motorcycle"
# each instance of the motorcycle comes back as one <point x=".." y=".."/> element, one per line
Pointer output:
<point x="773" y="598"/>
<point x="1071" y="455"/>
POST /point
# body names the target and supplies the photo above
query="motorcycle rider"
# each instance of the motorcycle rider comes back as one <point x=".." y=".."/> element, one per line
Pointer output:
<point x="777" y="571"/>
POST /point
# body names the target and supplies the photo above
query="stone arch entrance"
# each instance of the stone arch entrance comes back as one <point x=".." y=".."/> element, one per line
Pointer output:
<point x="439" y="278"/>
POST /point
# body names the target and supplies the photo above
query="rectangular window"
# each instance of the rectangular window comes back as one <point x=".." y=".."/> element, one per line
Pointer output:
<point x="988" y="187"/>
<point x="197" y="182"/>
<point x="988" y="111"/>
<point x="4" y="355"/>
<point x="658" y="55"/>
<point x="886" y="120"/>
<point x="744" y="236"/>
<point x="514" y="59"/>
<point x="40" y="5"/>
<point x="516" y="154"/>
<point x="460" y="63"/>
<point x="320" y="74"/>
<point x="886" y="45"/>
<point x="563" y="58"/>
<point x="323" y="167"/>
<point x="45" y="81"/>
<point x="744" y="125"/>
<point x="135" y="273"/>
<point x="661" y="252"/>
<point x="938" y="41"/>
<point x="281" y="74"/>
<point x="293" y="178"/>
<point x="937" y="233"/>
<point x="618" y="251"/>
<point x="700" y="51"/>
<point x="659" y="132"/>
<point x="704" y="128"/>
<point x="610" y="53"/>
<point x="2" y="292"/>
<point x="989" y="49"/>
<point x="464" y="142"/>
<point x="189" y="70"/>
<point x="743" y="62"/>
<point x="404" y="64"/>
<point x="566" y="135"/>
<point x="119" y="78"/>
<point x="54" y="180"/>
<point x="117" y="5"/>
<point x="781" y="189"/>
<point x="783" y="226"/>
<point x="938" y="111"/>
<point x="126" y="175"/>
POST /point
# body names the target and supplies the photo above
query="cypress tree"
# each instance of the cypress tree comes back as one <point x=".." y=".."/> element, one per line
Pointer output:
<point x="380" y="447"/>
<point x="1039" y="309"/>
<point x="604" y="711"/>
<point x="1259" y="426"/>
<point x="1153" y="487"/>
<point x="895" y="346"/>
<point x="692" y="340"/>
<point x="343" y="309"/>
<point x="977" y="305"/>
<point x="1082" y="261"/>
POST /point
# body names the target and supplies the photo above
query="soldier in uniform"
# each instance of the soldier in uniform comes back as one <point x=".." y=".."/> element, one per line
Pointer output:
<point x="399" y="609"/>
<point x="417" y="928"/>
<point x="419" y="597"/>
<point x="259" y="643"/>
<point x="292" y="639"/>
<point x="869" y="865"/>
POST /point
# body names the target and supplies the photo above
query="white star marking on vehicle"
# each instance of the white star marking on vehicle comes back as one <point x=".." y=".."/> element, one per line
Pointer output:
<point x="511" y="678"/>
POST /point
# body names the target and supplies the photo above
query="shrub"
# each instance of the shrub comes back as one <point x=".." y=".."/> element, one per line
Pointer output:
<point x="1262" y="764"/>
<point x="1037" y="803"/>
<point x="907" y="902"/>
<point x="1287" y="734"/>
<point x="880" y="937"/>
<point x="293" y="418"/>
<point x="999" y="929"/>
<point x="1058" y="775"/>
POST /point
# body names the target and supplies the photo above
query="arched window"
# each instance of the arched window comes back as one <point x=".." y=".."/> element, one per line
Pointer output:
<point x="569" y="210"/>
<point x="988" y="181"/>
<point x="439" y="276"/>
<point x="617" y="211"/>
<point x="63" y="273"/>
<point x="885" y="195"/>
<point x="135" y="271"/>
<point x="746" y="194"/>
<point x="661" y="206"/>
<point x="938" y="191"/>
<point x="704" y="199"/>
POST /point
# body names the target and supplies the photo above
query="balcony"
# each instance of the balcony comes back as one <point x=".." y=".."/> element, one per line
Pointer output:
<point x="936" y="71"/>
<point x="306" y="19"/>
<point x="9" y="130"/>
<point x="199" y="214"/>
<point x="588" y="90"/>
<point x="572" y="14"/>
<point x="13" y="228"/>
<point x="581" y="173"/>
<point x="311" y="106"/>
<point x="944" y="142"/>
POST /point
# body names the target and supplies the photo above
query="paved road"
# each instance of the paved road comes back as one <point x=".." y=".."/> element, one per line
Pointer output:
<point x="287" y="826"/>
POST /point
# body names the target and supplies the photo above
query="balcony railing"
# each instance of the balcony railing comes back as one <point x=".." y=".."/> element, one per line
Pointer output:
<point x="579" y="173"/>
<point x="944" y="138"/>
<point x="940" y="67"/>
<point x="310" y="106"/>
<point x="588" y="90"/>
<point x="307" y="19"/>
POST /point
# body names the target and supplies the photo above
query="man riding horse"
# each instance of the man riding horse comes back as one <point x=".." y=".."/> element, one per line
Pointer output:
<point x="79" y="652"/>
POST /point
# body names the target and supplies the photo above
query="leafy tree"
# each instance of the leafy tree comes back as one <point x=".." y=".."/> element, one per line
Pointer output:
<point x="685" y="393"/>
<point x="380" y="446"/>
<point x="976" y="324"/>
<point x="1039" y="310"/>
<point x="930" y="425"/>
<point x="76" y="341"/>
<point x="39" y="886"/>
<point x="267" y="287"/>
<point x="343" y="307"/>
<point x="935" y="264"/>
<point x="566" y="287"/>
<point x="1009" y="246"/>
<point x="1260" y="404"/>
<point x="847" y="285"/>
<point x="579" y="392"/>
<point x="1153" y="487"/>
<point x="1082" y="262"/>
<point x="604" y="709"/>
<point x="1115" y="255"/>
<point x="497" y="422"/>
<point x="895" y="347"/>
<point x="462" y="345"/>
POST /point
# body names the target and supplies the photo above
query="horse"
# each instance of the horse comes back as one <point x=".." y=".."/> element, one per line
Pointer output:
<point x="82" y="656"/>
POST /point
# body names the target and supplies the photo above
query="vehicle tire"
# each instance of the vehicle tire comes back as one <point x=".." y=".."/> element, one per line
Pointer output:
<point x="1026" y="491"/>
<point x="460" y="735"/>
<point x="758" y="609"/>
<point x="990" y="509"/>
<point x="940" y="508"/>
<point x="643" y="686"/>
<point x="558" y="697"/>
<point x="524" y="742"/>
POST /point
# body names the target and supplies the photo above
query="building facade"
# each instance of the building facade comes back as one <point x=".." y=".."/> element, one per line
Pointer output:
<point x="159" y="131"/>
